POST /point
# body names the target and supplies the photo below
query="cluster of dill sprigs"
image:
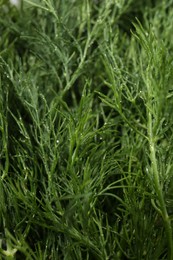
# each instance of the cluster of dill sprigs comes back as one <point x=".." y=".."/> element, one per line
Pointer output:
<point x="86" y="133"/>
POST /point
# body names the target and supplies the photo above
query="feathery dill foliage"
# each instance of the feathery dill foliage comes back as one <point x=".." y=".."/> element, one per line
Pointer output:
<point x="86" y="133"/>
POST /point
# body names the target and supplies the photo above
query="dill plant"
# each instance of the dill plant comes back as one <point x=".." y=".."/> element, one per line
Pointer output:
<point x="86" y="130"/>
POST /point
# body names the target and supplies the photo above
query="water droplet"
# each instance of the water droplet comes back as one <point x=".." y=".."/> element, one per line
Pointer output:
<point x="99" y="21"/>
<point x="15" y="2"/>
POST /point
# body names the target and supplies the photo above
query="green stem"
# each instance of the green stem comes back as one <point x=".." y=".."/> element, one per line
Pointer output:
<point x="158" y="188"/>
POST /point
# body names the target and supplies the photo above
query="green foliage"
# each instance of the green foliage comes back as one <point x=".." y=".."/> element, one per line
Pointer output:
<point x="86" y="130"/>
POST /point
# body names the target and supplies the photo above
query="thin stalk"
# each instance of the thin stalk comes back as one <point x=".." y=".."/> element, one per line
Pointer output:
<point x="158" y="187"/>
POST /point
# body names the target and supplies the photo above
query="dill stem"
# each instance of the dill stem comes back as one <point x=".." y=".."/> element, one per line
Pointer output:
<point x="158" y="187"/>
